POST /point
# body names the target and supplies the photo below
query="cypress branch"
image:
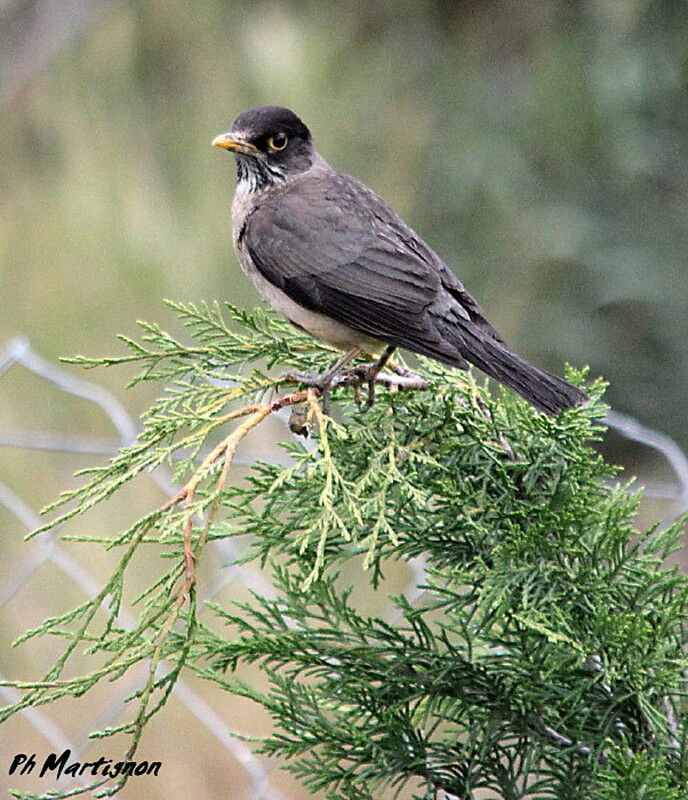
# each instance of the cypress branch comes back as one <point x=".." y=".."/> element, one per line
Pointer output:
<point x="543" y="654"/>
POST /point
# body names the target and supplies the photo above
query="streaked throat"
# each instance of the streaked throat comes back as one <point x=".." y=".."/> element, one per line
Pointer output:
<point x="256" y="173"/>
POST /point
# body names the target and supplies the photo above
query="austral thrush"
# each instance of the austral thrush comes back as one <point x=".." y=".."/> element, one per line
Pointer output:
<point x="333" y="258"/>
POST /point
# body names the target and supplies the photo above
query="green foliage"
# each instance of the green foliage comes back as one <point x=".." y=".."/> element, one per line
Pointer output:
<point x="540" y="654"/>
<point x="637" y="775"/>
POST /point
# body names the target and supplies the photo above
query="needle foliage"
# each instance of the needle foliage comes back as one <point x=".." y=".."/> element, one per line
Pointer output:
<point x="538" y="651"/>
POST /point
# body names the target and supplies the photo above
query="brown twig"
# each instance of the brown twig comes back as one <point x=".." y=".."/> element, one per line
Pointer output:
<point x="227" y="448"/>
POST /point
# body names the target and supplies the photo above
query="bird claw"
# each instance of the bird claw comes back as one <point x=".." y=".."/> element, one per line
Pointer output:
<point x="371" y="396"/>
<point x="354" y="377"/>
<point x="323" y="382"/>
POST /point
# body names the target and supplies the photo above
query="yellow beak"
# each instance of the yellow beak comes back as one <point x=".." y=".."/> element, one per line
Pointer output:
<point x="230" y="141"/>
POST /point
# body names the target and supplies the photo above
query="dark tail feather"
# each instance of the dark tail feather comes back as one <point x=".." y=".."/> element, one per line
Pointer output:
<point x="540" y="388"/>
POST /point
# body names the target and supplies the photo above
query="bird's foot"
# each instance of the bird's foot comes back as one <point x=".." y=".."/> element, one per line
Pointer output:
<point x="368" y="375"/>
<point x="325" y="382"/>
<point x="358" y="376"/>
<point x="322" y="381"/>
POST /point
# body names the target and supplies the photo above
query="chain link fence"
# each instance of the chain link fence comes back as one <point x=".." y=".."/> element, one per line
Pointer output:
<point x="47" y="549"/>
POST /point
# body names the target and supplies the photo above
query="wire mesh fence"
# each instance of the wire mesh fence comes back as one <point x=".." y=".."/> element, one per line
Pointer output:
<point x="47" y="549"/>
<point x="257" y="774"/>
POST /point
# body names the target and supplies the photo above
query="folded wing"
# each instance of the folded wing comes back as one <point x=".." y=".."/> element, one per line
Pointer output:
<point x="336" y="248"/>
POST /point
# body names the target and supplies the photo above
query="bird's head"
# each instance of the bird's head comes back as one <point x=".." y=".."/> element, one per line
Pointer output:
<point x="270" y="143"/>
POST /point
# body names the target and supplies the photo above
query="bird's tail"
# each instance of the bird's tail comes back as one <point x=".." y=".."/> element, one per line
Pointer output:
<point x="539" y="387"/>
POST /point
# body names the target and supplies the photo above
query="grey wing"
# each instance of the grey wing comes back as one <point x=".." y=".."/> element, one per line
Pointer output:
<point x="340" y="251"/>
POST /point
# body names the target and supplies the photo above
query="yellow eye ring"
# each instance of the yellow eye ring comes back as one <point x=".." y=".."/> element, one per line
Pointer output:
<point x="278" y="141"/>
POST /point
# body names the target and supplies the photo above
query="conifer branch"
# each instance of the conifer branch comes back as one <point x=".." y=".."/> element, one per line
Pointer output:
<point x="544" y="654"/>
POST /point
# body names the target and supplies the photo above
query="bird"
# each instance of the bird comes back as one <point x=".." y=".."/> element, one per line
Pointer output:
<point x="332" y="257"/>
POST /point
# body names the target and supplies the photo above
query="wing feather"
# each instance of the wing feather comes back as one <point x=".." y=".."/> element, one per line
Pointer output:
<point x="334" y="247"/>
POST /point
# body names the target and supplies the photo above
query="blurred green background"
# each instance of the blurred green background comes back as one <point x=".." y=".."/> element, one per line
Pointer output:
<point x="539" y="145"/>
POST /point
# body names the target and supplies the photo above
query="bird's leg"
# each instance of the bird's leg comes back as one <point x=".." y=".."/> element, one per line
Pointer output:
<point x="372" y="372"/>
<point x="323" y="382"/>
<point x="327" y="377"/>
<point x="354" y="377"/>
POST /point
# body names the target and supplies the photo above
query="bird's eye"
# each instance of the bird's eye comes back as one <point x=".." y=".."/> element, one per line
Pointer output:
<point x="278" y="141"/>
